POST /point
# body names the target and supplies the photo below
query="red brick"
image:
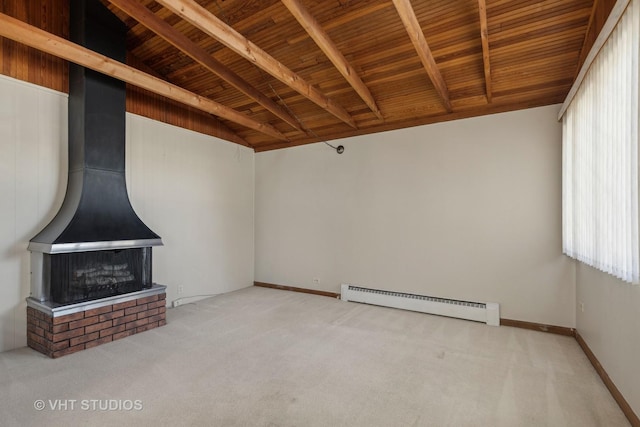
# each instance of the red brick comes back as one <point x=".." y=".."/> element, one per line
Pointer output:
<point x="59" y="336"/>
<point x="68" y="318"/>
<point x="47" y="326"/>
<point x="141" y="322"/>
<point x="68" y="335"/>
<point x="83" y="322"/>
<point x="37" y="314"/>
<point x="97" y="311"/>
<point x="37" y="339"/>
<point x="32" y="320"/>
<point x="99" y="341"/>
<point x="136" y="309"/>
<point x="145" y="300"/>
<point x="60" y="328"/>
<point x="39" y="348"/>
<point x="67" y="350"/>
<point x="147" y="327"/>
<point x="161" y="303"/>
<point x="157" y="317"/>
<point x="123" y="334"/>
<point x="60" y="345"/>
<point x="84" y="338"/>
<point x="125" y="319"/>
<point x="112" y="315"/>
<point x="148" y="313"/>
<point x="98" y="327"/>
<point x="111" y="331"/>
<point x="125" y="304"/>
<point x="36" y="330"/>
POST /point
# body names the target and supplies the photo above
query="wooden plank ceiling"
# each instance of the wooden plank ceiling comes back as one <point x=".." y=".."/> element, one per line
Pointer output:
<point x="301" y="71"/>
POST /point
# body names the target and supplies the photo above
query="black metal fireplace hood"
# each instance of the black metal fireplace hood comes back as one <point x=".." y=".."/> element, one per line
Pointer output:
<point x="96" y="213"/>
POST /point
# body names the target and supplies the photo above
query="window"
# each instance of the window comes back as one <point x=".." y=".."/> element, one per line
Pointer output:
<point x="600" y="156"/>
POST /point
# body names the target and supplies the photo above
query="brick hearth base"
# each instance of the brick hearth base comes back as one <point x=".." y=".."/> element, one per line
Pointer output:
<point x="58" y="336"/>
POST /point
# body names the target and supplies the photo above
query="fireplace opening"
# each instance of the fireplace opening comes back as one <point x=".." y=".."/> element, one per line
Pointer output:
<point x="84" y="276"/>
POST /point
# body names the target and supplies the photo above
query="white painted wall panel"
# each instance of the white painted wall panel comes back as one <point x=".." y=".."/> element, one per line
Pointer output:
<point x="9" y="269"/>
<point x="194" y="190"/>
<point x="33" y="164"/>
<point x="469" y="209"/>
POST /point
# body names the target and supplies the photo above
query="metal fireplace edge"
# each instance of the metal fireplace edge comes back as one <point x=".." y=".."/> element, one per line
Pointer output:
<point x="62" y="248"/>
<point x="55" y="310"/>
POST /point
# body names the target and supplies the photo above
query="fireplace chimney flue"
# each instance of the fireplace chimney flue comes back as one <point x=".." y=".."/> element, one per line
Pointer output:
<point x="96" y="246"/>
<point x="96" y="213"/>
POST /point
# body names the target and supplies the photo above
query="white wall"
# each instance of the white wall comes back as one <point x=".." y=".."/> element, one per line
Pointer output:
<point x="610" y="325"/>
<point x="194" y="190"/>
<point x="469" y="209"/>
<point x="33" y="178"/>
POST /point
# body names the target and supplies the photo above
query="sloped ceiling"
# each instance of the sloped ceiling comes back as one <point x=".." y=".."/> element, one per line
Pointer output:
<point x="280" y="73"/>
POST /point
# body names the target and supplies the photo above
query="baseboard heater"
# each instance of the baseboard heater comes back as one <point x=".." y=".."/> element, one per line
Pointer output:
<point x="485" y="312"/>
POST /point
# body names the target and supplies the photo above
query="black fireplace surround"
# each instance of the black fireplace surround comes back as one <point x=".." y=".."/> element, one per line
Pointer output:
<point x="96" y="246"/>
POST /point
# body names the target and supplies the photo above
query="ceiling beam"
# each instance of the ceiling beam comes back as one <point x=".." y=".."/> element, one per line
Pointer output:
<point x="484" y="35"/>
<point x="160" y="27"/>
<point x="201" y="18"/>
<point x="136" y="106"/>
<point x="324" y="42"/>
<point x="410" y="21"/>
<point x="29" y="35"/>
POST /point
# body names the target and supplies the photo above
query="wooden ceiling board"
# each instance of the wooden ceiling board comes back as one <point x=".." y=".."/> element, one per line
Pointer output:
<point x="533" y="47"/>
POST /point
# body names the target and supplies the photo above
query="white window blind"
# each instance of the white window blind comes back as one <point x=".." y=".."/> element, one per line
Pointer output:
<point x="600" y="157"/>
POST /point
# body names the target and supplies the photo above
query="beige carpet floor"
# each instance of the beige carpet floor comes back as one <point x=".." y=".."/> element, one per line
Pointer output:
<point x="263" y="357"/>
